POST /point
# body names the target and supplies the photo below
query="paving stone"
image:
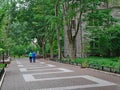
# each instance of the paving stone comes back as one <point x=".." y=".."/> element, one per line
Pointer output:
<point x="47" y="80"/>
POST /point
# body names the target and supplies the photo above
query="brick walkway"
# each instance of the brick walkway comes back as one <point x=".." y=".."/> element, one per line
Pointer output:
<point x="48" y="75"/>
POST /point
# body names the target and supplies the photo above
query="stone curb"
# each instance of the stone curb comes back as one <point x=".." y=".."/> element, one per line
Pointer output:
<point x="104" y="72"/>
<point x="2" y="79"/>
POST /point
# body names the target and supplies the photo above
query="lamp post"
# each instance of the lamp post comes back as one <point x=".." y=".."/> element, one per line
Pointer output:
<point x="60" y="38"/>
<point x="3" y="50"/>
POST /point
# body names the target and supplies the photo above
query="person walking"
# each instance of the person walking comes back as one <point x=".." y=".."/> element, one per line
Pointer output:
<point x="30" y="57"/>
<point x="34" y="57"/>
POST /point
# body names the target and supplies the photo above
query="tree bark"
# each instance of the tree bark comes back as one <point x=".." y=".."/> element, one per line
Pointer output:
<point x="51" y="51"/>
<point x="72" y="50"/>
<point x="57" y="30"/>
<point x="43" y="50"/>
<point x="70" y="29"/>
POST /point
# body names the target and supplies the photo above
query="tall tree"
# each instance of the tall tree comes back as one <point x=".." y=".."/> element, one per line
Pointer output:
<point x="73" y="14"/>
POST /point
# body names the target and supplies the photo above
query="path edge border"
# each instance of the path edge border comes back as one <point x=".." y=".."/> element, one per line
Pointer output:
<point x="2" y="79"/>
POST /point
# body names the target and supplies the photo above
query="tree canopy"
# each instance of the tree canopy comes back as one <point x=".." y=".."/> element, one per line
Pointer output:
<point x="24" y="21"/>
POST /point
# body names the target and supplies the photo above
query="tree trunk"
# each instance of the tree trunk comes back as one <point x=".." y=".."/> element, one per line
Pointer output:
<point x="72" y="50"/>
<point x="51" y="51"/>
<point x="81" y="37"/>
<point x="57" y="29"/>
<point x="58" y="42"/>
<point x="43" y="50"/>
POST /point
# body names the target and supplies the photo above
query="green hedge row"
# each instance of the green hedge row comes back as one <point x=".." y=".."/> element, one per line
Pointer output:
<point x="105" y="64"/>
<point x="2" y="65"/>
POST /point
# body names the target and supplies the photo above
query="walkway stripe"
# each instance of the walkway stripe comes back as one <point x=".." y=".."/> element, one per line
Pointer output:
<point x="39" y="67"/>
<point x="25" y="70"/>
<point x="20" y="65"/>
<point x="18" y="62"/>
<point x="42" y="62"/>
<point x="100" y="83"/>
<point x="25" y="76"/>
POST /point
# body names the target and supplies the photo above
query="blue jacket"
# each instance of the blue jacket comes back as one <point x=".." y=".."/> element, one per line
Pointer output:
<point x="33" y="54"/>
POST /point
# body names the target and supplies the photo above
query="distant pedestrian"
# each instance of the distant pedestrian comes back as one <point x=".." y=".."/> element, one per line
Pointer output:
<point x="30" y="57"/>
<point x="34" y="57"/>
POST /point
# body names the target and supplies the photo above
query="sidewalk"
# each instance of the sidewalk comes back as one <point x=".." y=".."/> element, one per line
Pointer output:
<point x="49" y="75"/>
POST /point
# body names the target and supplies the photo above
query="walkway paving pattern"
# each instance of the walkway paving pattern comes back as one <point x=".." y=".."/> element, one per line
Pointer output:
<point x="49" y="75"/>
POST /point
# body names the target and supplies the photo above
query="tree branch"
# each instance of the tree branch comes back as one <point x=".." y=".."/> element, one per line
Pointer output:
<point x="78" y="25"/>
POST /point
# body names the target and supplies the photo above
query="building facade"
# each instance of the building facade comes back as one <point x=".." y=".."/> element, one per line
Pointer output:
<point x="82" y="42"/>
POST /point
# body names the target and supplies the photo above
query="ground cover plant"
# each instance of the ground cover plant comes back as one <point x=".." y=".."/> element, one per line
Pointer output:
<point x="2" y="66"/>
<point x="100" y="63"/>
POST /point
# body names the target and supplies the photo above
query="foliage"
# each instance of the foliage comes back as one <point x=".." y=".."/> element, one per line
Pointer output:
<point x="108" y="62"/>
<point x="1" y="49"/>
<point x="100" y="18"/>
<point x="34" y="21"/>
<point x="22" y="21"/>
<point x="106" y="42"/>
<point x="84" y="64"/>
<point x="2" y="66"/>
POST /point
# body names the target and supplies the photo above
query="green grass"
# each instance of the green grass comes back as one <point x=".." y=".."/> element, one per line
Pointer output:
<point x="2" y="65"/>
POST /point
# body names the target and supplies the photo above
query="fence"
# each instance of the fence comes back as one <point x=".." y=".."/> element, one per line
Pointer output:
<point x="93" y="66"/>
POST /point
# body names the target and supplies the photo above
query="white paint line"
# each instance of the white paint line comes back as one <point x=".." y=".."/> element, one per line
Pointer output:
<point x="58" y="78"/>
<point x="100" y="83"/>
<point x="50" y="65"/>
<point x="47" y="73"/>
<point x="23" y="69"/>
<point x="42" y="62"/>
<point x="74" y="87"/>
<point x="62" y="69"/>
<point x="40" y="67"/>
<point x="33" y="79"/>
<point x="28" y="78"/>
<point x="20" y="65"/>
<point x="18" y="62"/>
<point x="65" y="70"/>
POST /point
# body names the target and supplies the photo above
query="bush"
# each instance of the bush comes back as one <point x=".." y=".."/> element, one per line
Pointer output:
<point x="2" y="65"/>
<point x="85" y="64"/>
<point x="107" y="62"/>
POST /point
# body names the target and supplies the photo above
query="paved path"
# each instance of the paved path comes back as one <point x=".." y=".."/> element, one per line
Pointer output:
<point x="49" y="75"/>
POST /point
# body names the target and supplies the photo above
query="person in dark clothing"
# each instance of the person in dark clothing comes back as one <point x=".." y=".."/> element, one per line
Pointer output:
<point x="30" y="57"/>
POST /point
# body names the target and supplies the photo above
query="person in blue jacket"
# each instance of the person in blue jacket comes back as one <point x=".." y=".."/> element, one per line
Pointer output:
<point x="34" y="57"/>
